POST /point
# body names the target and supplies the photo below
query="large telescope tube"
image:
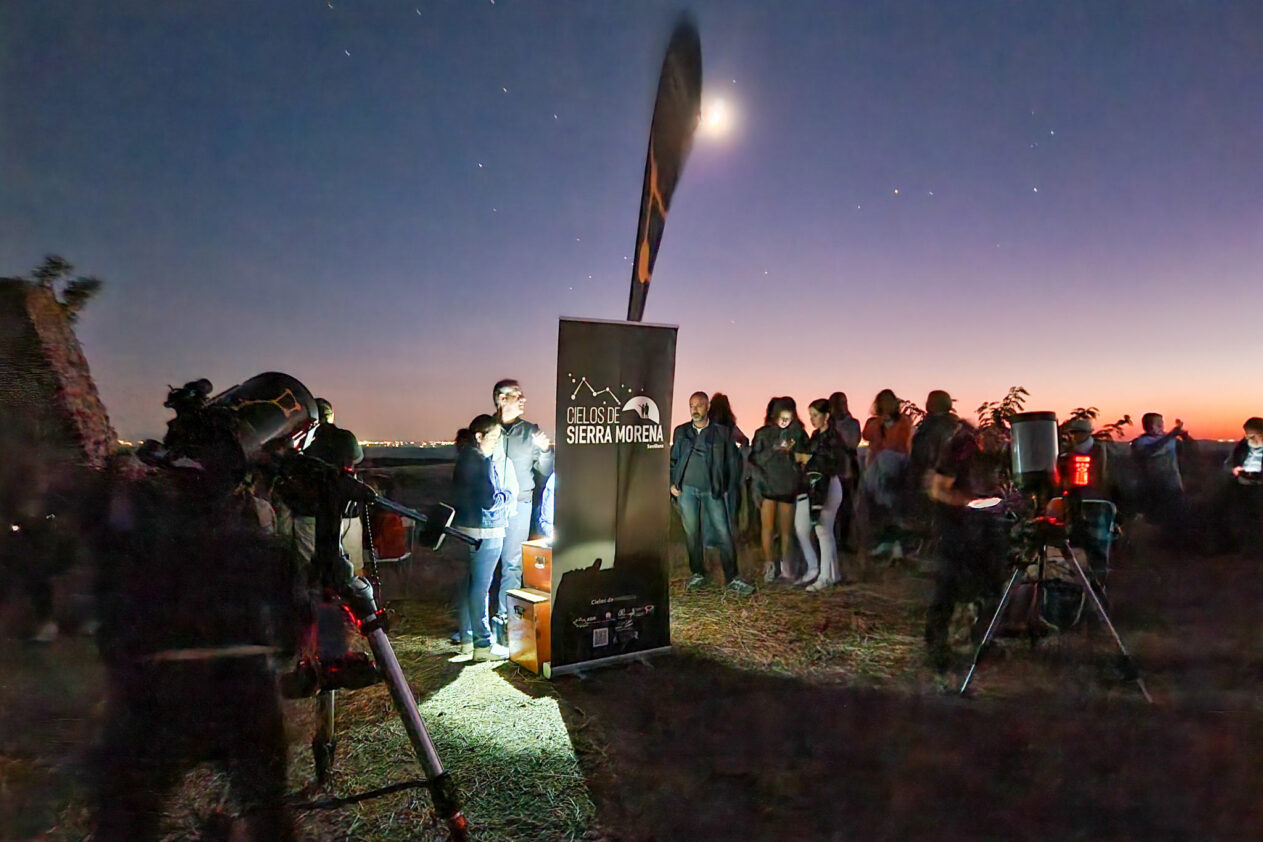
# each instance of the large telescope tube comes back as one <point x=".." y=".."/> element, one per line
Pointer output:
<point x="266" y="408"/>
<point x="1034" y="437"/>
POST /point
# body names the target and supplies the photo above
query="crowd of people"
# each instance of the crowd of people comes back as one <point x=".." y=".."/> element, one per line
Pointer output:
<point x="828" y="499"/>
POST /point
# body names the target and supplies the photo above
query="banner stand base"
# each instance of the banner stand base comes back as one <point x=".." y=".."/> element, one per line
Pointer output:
<point x="550" y="671"/>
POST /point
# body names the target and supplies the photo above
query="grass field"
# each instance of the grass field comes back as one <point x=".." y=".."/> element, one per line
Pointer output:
<point x="786" y="715"/>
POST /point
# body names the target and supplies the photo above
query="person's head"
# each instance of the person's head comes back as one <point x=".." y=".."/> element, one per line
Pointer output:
<point x="1254" y="431"/>
<point x="886" y="403"/>
<point x="938" y="402"/>
<point x="1079" y="430"/>
<point x="838" y="406"/>
<point x="820" y="414"/>
<point x="464" y="438"/>
<point x="510" y="401"/>
<point x="699" y="405"/>
<point x="1151" y="423"/>
<point x="485" y="430"/>
<point x="721" y="410"/>
<point x="324" y="411"/>
<point x="784" y="412"/>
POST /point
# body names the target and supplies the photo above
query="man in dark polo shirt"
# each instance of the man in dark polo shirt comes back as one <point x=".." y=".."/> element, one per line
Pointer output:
<point x="705" y="467"/>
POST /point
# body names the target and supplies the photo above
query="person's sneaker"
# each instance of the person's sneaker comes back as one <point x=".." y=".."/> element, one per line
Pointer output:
<point x="46" y="633"/>
<point x="882" y="549"/>
<point x="896" y="551"/>
<point x="740" y="588"/>
<point x="467" y="648"/>
<point x="490" y="653"/>
<point x="807" y="578"/>
<point x="769" y="572"/>
<point x="695" y="581"/>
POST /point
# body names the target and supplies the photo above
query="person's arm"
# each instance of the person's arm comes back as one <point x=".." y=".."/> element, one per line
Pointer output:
<point x="1149" y="448"/>
<point x="547" y="506"/>
<point x="1236" y="458"/>
<point x="678" y="447"/>
<point x="849" y="431"/>
<point x="733" y="458"/>
<point x="801" y="447"/>
<point x="473" y="481"/>
<point x="872" y="430"/>
<point x="543" y="453"/>
<point x="943" y="490"/>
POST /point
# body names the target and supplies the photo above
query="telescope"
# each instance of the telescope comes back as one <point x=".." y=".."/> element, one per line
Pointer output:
<point x="262" y="422"/>
<point x="1034" y="452"/>
<point x="1034" y="441"/>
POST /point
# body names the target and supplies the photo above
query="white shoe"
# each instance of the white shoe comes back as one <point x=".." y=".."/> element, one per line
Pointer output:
<point x="807" y="578"/>
<point x="46" y="633"/>
<point x="820" y="585"/>
<point x="884" y="548"/>
<point x="490" y="653"/>
<point x="769" y="572"/>
<point x="896" y="552"/>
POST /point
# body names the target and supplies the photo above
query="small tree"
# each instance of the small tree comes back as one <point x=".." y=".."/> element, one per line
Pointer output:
<point x="911" y="410"/>
<point x="72" y="293"/>
<point x="998" y="413"/>
<point x="1107" y="432"/>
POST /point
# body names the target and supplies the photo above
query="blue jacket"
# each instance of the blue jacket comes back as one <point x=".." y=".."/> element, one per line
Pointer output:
<point x="484" y="490"/>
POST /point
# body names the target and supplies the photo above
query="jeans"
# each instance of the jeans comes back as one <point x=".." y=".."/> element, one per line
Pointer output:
<point x="475" y="626"/>
<point x="517" y="531"/>
<point x="830" y="570"/>
<point x="803" y="529"/>
<point x="698" y="503"/>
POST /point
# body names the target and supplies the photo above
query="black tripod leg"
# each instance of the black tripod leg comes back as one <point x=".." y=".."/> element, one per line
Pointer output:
<point x="1130" y="672"/>
<point x="991" y="628"/>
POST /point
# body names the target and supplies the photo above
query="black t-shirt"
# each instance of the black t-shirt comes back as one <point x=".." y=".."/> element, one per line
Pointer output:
<point x="697" y="468"/>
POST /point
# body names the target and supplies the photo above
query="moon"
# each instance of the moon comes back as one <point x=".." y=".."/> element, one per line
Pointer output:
<point x="716" y="119"/>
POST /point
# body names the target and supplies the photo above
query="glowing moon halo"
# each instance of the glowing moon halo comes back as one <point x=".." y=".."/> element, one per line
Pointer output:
<point x="716" y="119"/>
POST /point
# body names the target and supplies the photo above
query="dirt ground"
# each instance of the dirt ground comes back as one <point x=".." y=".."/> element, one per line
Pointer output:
<point x="794" y="716"/>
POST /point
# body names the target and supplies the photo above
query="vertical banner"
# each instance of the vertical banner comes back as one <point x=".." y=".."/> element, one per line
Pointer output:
<point x="676" y="111"/>
<point x="612" y="504"/>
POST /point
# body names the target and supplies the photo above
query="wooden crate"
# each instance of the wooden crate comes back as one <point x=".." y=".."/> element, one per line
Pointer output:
<point x="537" y="565"/>
<point x="530" y="628"/>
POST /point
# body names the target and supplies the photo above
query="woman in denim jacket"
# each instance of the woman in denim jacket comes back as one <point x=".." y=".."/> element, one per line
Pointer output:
<point x="485" y="488"/>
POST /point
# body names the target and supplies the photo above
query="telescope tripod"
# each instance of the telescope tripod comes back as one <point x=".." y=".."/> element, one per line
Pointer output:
<point x="357" y="598"/>
<point x="1127" y="666"/>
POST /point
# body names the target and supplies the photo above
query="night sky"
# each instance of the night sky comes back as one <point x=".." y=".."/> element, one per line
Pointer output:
<point x="394" y="202"/>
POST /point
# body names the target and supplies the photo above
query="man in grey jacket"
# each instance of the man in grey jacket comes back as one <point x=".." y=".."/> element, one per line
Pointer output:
<point x="531" y="453"/>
